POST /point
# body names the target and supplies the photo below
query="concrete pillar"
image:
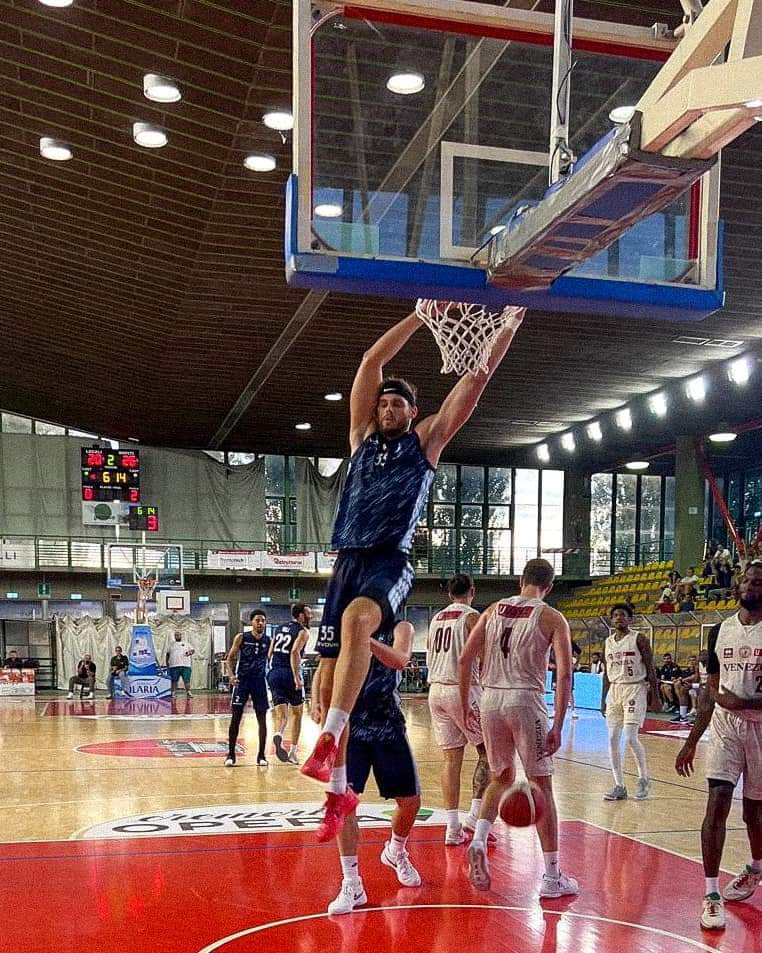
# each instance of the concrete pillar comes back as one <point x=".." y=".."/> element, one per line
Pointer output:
<point x="577" y="523"/>
<point x="689" y="505"/>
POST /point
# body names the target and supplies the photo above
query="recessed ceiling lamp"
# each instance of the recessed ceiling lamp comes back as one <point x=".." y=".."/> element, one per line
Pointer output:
<point x="637" y="465"/>
<point x="594" y="431"/>
<point x="405" y="83"/>
<point x="658" y="404"/>
<point x="739" y="371"/>
<point x="55" y="150"/>
<point x="303" y="426"/>
<point x="543" y="453"/>
<point x="623" y="418"/>
<point x="161" y="89"/>
<point x="724" y="436"/>
<point x="148" y="136"/>
<point x="567" y="442"/>
<point x="281" y="120"/>
<point x="56" y="3"/>
<point x="622" y="114"/>
<point x="696" y="389"/>
<point x="328" y="210"/>
<point x="259" y="162"/>
<point x="496" y="229"/>
<point x="334" y="395"/>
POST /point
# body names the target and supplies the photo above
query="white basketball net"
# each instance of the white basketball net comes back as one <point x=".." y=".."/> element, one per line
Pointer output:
<point x="465" y="333"/>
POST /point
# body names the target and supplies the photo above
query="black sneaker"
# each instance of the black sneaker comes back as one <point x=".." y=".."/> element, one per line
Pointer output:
<point x="280" y="751"/>
<point x="262" y="761"/>
<point x="230" y="761"/>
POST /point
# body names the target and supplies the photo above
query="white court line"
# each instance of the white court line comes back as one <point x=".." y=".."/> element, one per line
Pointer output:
<point x="218" y="944"/>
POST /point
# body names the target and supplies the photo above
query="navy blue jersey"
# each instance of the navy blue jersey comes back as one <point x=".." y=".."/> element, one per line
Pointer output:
<point x="384" y="494"/>
<point x="377" y="713"/>
<point x="283" y="642"/>
<point x="252" y="659"/>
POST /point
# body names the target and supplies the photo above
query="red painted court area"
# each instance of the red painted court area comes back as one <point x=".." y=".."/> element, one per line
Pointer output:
<point x="246" y="893"/>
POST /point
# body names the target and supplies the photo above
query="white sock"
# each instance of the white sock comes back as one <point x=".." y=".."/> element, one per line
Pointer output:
<point x="335" y="721"/>
<point x="350" y="869"/>
<point x="633" y="741"/>
<point x="683" y="711"/>
<point x="396" y="844"/>
<point x="476" y="806"/>
<point x="712" y="885"/>
<point x="756" y="866"/>
<point x="453" y="820"/>
<point x="338" y="782"/>
<point x="482" y="832"/>
<point x="615" y="754"/>
<point x="551" y="864"/>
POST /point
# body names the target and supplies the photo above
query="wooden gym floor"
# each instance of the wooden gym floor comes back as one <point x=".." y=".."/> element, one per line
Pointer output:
<point x="122" y="830"/>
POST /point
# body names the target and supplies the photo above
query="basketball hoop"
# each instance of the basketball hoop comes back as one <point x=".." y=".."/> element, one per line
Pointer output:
<point x="465" y="333"/>
<point x="146" y="586"/>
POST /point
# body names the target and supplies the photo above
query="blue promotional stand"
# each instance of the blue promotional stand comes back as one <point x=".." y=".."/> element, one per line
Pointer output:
<point x="145" y="679"/>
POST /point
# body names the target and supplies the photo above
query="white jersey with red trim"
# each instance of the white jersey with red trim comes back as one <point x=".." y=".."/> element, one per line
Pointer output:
<point x="624" y="663"/>
<point x="516" y="651"/>
<point x="447" y="636"/>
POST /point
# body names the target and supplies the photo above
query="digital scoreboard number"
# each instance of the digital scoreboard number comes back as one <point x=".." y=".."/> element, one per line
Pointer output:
<point x="144" y="518"/>
<point x="110" y="475"/>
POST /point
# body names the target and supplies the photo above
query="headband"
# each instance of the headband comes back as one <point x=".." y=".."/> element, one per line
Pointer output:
<point x="398" y="388"/>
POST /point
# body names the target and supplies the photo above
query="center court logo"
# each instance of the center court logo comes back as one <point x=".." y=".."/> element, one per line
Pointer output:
<point x="243" y="819"/>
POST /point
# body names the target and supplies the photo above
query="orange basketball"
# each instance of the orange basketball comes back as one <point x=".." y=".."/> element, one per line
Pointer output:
<point x="522" y="804"/>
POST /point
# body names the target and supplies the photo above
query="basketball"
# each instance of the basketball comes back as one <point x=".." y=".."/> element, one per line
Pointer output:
<point x="522" y="804"/>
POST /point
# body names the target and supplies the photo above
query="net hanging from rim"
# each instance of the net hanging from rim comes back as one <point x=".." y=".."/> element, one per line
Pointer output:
<point x="146" y="585"/>
<point x="465" y="333"/>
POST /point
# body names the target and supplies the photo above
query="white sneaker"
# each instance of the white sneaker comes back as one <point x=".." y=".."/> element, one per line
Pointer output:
<point x="478" y="867"/>
<point x="454" y="836"/>
<point x="70" y="695"/>
<point x="643" y="789"/>
<point x="469" y="827"/>
<point x="292" y="758"/>
<point x="407" y="875"/>
<point x="743" y="886"/>
<point x="561" y="886"/>
<point x="229" y="762"/>
<point x="713" y="912"/>
<point x="351" y="895"/>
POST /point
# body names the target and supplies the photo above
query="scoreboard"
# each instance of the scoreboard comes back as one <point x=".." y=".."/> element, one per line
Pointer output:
<point x="145" y="518"/>
<point x="110" y="475"/>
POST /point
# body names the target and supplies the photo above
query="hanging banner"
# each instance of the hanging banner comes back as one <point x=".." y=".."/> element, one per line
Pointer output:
<point x="325" y="561"/>
<point x="241" y="560"/>
<point x="291" y="562"/>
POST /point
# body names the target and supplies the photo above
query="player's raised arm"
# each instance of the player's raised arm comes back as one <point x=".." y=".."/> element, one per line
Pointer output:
<point x="369" y="377"/>
<point x="438" y="430"/>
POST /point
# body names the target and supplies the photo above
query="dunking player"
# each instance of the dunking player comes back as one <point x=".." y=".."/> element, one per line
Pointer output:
<point x="286" y="681"/>
<point x="513" y="638"/>
<point x="246" y="663"/>
<point x="733" y="706"/>
<point x="628" y="672"/>
<point x="391" y="470"/>
<point x="378" y="742"/>
<point x="448" y="632"/>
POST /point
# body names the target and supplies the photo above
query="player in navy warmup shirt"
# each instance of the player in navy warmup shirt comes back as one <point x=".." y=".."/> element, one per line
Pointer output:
<point x="286" y="680"/>
<point x="378" y="743"/>
<point x="247" y="665"/>
<point x="390" y="473"/>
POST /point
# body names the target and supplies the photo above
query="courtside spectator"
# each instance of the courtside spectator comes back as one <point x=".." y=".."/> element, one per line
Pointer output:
<point x="118" y="669"/>
<point x="667" y="675"/>
<point x="596" y="664"/>
<point x="13" y="660"/>
<point x="85" y="676"/>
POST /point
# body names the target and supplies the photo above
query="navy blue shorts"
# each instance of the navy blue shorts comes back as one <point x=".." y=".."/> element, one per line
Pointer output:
<point x="383" y="575"/>
<point x="282" y="688"/>
<point x="391" y="761"/>
<point x="251" y="688"/>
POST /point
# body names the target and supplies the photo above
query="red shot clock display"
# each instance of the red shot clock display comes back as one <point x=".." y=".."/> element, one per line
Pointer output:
<point x="110" y="475"/>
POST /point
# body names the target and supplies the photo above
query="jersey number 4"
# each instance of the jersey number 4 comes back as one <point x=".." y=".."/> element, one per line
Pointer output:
<point x="442" y="639"/>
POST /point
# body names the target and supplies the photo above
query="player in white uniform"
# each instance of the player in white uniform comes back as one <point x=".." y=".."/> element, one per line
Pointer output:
<point x="448" y="633"/>
<point x="733" y="706"/>
<point x="629" y="670"/>
<point x="513" y="639"/>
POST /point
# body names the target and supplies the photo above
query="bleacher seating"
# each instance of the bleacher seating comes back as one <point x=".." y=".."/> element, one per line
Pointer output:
<point x="643" y="583"/>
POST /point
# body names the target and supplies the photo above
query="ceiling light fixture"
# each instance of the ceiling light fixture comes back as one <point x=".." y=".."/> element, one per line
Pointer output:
<point x="259" y="162"/>
<point x="739" y="371"/>
<point x="623" y="418"/>
<point x="334" y="395"/>
<point x="303" y="426"/>
<point x="496" y="229"/>
<point x="149" y="136"/>
<point x="281" y="120"/>
<point x="725" y="436"/>
<point x="543" y="453"/>
<point x="594" y="431"/>
<point x="56" y="3"/>
<point x="637" y="465"/>
<point x="658" y="404"/>
<point x="55" y="150"/>
<point x="405" y="83"/>
<point x="328" y="210"/>
<point x="622" y="114"/>
<point x="696" y="389"/>
<point x="567" y="442"/>
<point x="161" y="89"/>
